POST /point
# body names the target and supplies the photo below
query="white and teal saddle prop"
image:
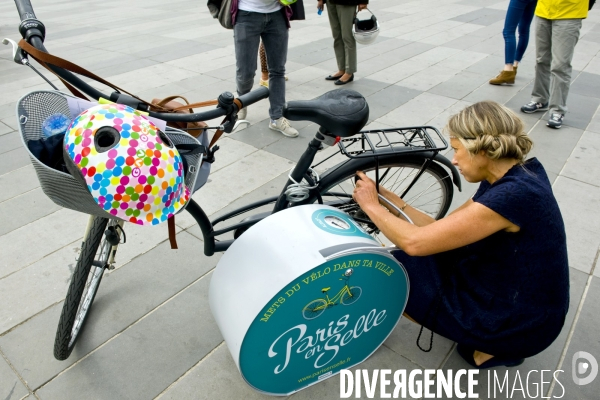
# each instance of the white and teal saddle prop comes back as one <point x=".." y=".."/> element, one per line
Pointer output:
<point x="304" y="294"/>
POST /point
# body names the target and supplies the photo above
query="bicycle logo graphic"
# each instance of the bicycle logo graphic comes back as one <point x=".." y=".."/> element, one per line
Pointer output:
<point x="346" y="296"/>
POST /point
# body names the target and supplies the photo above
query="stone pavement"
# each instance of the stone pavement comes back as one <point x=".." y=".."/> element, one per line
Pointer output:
<point x="151" y="333"/>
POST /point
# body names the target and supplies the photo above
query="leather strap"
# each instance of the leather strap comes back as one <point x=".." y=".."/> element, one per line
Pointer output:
<point x="172" y="233"/>
<point x="45" y="58"/>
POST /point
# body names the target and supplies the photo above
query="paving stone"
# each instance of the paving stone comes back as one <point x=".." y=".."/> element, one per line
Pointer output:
<point x="583" y="162"/>
<point x="553" y="146"/>
<point x="388" y="99"/>
<point x="403" y="339"/>
<point x="47" y="283"/>
<point x="14" y="159"/>
<point x="500" y="94"/>
<point x="258" y="135"/>
<point x="12" y="387"/>
<point x="418" y="111"/>
<point x="483" y="16"/>
<point x="200" y="383"/>
<point x="5" y="130"/>
<point x="594" y="125"/>
<point x="17" y="182"/>
<point x="581" y="110"/>
<point x="547" y="359"/>
<point x="146" y="358"/>
<point x="585" y="338"/>
<point x="125" y="296"/>
<point x="21" y="248"/>
<point x="293" y="149"/>
<point x="586" y="84"/>
<point x="24" y="209"/>
<point x="578" y="204"/>
<point x="460" y="85"/>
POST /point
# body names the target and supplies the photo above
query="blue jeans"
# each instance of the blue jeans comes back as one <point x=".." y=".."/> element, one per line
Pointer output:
<point x="519" y="14"/>
<point x="249" y="28"/>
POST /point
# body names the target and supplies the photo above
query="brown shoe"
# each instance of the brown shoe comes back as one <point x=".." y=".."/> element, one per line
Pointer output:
<point x="504" y="78"/>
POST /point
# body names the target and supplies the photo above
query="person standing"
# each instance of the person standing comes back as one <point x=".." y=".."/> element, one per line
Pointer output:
<point x="518" y="16"/>
<point x="558" y="23"/>
<point x="268" y="20"/>
<point x="341" y="18"/>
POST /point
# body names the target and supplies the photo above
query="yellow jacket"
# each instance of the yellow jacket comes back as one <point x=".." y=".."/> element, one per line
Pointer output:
<point x="562" y="9"/>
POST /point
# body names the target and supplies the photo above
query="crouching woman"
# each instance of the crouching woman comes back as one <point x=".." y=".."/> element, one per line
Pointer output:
<point x="492" y="275"/>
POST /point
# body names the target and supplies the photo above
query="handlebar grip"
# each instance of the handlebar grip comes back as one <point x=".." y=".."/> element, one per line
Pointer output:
<point x="254" y="96"/>
<point x="25" y="9"/>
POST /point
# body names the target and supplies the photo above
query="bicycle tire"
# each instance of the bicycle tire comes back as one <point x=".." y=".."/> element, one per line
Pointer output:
<point x="342" y="177"/>
<point x="84" y="277"/>
<point x="355" y="292"/>
<point x="314" y="309"/>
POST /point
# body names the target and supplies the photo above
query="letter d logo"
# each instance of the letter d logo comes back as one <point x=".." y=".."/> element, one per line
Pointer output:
<point x="581" y="367"/>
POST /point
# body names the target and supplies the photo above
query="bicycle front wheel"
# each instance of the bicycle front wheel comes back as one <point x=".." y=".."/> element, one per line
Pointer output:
<point x="430" y="192"/>
<point x="82" y="289"/>
<point x="314" y="309"/>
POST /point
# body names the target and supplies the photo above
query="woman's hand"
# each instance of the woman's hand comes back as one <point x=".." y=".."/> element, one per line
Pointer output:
<point x="320" y="5"/>
<point x="365" y="192"/>
<point x="362" y="7"/>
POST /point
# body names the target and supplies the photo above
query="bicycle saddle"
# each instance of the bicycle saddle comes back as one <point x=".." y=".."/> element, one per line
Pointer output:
<point x="341" y="112"/>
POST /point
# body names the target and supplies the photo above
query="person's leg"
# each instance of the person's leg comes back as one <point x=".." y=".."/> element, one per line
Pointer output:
<point x="338" y="43"/>
<point x="264" y="70"/>
<point x="513" y="16"/>
<point x="524" y="28"/>
<point x="275" y="39"/>
<point x="346" y="18"/>
<point x="565" y="35"/>
<point x="246" y="34"/>
<point x="543" y="48"/>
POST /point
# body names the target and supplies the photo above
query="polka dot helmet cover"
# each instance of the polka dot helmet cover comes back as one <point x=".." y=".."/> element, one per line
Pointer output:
<point x="131" y="168"/>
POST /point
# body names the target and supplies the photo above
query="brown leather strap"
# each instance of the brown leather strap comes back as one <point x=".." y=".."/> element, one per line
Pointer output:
<point x="45" y="58"/>
<point x="172" y="233"/>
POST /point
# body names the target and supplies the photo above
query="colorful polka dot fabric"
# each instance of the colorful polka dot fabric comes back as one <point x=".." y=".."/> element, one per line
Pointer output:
<point x="137" y="177"/>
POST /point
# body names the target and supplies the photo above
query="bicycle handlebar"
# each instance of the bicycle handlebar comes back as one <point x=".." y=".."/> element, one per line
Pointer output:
<point x="33" y="31"/>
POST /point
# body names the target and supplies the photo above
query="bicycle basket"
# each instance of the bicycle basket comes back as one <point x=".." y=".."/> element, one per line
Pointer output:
<point x="62" y="188"/>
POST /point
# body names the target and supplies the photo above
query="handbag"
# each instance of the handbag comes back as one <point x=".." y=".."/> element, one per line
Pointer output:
<point x="221" y="10"/>
<point x="170" y="104"/>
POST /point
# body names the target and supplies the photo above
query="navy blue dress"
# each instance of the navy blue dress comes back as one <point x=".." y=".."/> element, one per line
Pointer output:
<point x="508" y="294"/>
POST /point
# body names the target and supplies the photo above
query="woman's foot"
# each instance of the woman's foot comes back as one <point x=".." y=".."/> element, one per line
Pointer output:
<point x="504" y="78"/>
<point x="480" y="360"/>
<point x="335" y="77"/>
<point x="346" y="78"/>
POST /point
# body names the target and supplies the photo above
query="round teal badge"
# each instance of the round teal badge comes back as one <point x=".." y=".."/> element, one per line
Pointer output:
<point x="330" y="318"/>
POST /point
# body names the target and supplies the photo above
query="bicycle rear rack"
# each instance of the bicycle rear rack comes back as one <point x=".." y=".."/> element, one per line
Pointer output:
<point x="393" y="141"/>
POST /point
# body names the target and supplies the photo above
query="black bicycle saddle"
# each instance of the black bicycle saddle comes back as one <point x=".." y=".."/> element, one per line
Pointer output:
<point x="342" y="112"/>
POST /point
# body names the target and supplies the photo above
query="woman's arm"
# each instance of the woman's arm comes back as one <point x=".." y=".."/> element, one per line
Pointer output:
<point x="469" y="224"/>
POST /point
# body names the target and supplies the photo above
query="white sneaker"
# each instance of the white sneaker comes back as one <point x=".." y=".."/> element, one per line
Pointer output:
<point x="242" y="113"/>
<point x="282" y="125"/>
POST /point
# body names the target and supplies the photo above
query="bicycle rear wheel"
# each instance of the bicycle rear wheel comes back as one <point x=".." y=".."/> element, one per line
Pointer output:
<point x="431" y="193"/>
<point x="83" y="288"/>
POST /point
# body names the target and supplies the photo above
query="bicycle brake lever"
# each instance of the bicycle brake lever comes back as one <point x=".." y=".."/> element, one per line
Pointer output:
<point x="19" y="56"/>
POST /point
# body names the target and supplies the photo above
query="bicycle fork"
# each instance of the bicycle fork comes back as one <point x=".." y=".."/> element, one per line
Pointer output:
<point x="112" y="235"/>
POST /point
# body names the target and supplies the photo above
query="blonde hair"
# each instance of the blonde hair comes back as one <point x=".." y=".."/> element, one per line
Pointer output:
<point x="493" y="128"/>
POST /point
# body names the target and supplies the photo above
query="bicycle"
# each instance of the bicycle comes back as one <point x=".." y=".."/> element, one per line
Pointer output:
<point x="346" y="296"/>
<point x="406" y="161"/>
